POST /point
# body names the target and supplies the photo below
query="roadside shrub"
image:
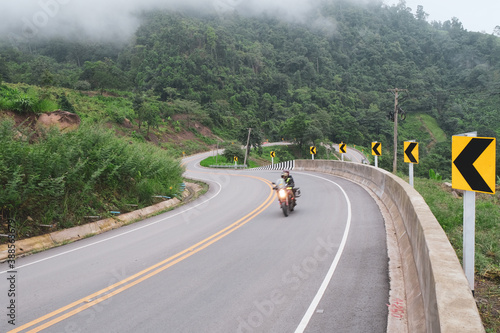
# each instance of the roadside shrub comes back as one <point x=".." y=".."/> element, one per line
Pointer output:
<point x="23" y="104"/>
<point x="65" y="104"/>
<point x="45" y="105"/>
<point x="284" y="154"/>
<point x="82" y="85"/>
<point x="234" y="150"/>
<point x="6" y="97"/>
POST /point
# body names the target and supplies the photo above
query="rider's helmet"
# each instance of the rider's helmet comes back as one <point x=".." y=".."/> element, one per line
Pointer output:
<point x="285" y="174"/>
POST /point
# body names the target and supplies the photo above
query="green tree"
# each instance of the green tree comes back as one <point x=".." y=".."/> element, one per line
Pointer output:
<point x="212" y="40"/>
<point x="65" y="104"/>
<point x="4" y="70"/>
<point x="295" y="128"/>
<point x="234" y="150"/>
<point x="149" y="113"/>
<point x="420" y="14"/>
<point x="104" y="75"/>
<point x="137" y="105"/>
<point x="147" y="110"/>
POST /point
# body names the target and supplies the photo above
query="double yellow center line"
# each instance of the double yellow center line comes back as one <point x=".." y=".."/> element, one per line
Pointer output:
<point x="106" y="293"/>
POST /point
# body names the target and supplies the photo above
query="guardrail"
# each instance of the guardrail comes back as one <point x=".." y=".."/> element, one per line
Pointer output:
<point x="438" y="296"/>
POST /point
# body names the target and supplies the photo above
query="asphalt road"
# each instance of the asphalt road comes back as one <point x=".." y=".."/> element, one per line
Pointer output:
<point x="227" y="262"/>
<point x="351" y="154"/>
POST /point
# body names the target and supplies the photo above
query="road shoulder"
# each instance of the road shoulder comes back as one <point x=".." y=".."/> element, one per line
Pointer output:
<point x="36" y="244"/>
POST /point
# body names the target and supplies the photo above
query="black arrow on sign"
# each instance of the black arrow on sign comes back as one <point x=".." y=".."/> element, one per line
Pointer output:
<point x="342" y="148"/>
<point x="464" y="163"/>
<point x="408" y="151"/>
<point x="375" y="149"/>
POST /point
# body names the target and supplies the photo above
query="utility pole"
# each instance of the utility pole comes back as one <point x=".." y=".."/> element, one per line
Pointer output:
<point x="246" y="150"/>
<point x="217" y="151"/>
<point x="395" y="160"/>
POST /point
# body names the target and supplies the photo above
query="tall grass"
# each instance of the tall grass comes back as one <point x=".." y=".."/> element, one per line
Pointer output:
<point x="27" y="100"/>
<point x="448" y="210"/>
<point x="432" y="125"/>
<point x="64" y="176"/>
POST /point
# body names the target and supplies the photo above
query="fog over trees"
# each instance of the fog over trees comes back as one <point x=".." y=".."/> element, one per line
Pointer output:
<point x="325" y="65"/>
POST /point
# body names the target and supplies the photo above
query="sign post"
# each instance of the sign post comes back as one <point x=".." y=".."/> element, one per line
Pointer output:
<point x="411" y="156"/>
<point x="472" y="170"/>
<point x="469" y="225"/>
<point x="376" y="151"/>
<point x="217" y="156"/>
<point x="342" y="148"/>
<point x="312" y="150"/>
<point x="235" y="162"/>
<point x="273" y="154"/>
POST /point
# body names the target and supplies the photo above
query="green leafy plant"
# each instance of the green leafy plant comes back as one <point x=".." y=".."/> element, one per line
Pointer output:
<point x="434" y="175"/>
<point x="23" y="104"/>
<point x="45" y="105"/>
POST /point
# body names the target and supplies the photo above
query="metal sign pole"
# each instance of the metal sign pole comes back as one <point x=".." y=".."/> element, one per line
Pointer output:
<point x="469" y="236"/>
<point x="272" y="160"/>
<point x="312" y="156"/>
<point x="376" y="161"/>
<point x="411" y="174"/>
<point x="469" y="231"/>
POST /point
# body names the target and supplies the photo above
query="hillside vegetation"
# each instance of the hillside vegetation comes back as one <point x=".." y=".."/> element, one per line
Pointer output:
<point x="62" y="178"/>
<point x="51" y="179"/>
<point x="325" y="79"/>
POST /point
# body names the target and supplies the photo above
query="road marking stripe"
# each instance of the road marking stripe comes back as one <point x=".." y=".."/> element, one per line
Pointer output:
<point x="182" y="211"/>
<point x="167" y="262"/>
<point x="321" y="291"/>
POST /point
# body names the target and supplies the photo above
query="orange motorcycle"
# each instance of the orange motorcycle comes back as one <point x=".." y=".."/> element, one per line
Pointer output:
<point x="286" y="197"/>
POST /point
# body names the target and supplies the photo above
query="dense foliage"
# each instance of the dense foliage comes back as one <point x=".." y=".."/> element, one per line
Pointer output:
<point x="62" y="177"/>
<point x="325" y="79"/>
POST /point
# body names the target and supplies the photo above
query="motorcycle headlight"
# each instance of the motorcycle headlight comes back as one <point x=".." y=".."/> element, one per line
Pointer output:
<point x="282" y="194"/>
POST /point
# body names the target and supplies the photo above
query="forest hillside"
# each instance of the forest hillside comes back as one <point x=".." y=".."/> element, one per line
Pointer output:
<point x="326" y="78"/>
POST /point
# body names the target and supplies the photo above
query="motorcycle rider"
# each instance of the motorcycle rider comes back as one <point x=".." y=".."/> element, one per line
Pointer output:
<point x="288" y="178"/>
<point x="290" y="182"/>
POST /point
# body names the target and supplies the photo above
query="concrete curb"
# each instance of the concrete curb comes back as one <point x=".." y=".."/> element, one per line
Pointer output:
<point x="57" y="238"/>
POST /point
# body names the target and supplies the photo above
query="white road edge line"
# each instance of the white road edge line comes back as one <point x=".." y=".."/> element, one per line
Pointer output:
<point x="121" y="234"/>
<point x="321" y="291"/>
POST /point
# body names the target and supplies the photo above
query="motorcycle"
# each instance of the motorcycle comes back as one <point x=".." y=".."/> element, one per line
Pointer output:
<point x="286" y="197"/>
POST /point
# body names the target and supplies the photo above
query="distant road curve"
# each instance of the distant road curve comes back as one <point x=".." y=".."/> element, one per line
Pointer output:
<point x="352" y="154"/>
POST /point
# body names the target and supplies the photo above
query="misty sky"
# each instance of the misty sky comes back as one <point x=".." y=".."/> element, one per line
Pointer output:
<point x="114" y="19"/>
<point x="475" y="15"/>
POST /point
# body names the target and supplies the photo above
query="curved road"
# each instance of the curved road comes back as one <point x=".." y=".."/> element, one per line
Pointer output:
<point x="351" y="154"/>
<point x="227" y="262"/>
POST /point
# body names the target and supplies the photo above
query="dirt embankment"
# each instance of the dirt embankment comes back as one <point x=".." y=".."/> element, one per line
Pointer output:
<point x="62" y="119"/>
